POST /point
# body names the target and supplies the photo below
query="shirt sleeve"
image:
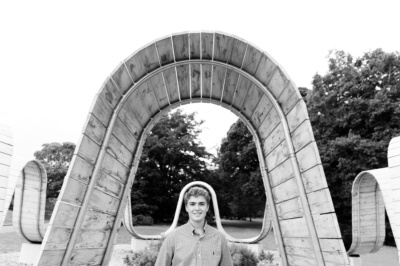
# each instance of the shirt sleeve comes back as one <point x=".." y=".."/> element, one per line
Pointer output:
<point x="166" y="252"/>
<point x="226" y="259"/>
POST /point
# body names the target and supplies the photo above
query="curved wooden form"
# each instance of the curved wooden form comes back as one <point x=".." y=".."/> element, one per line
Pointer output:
<point x="6" y="151"/>
<point x="194" y="67"/>
<point x="128" y="215"/>
<point x="30" y="202"/>
<point x="372" y="192"/>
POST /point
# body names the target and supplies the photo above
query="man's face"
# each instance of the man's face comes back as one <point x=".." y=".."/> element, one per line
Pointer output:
<point x="197" y="208"/>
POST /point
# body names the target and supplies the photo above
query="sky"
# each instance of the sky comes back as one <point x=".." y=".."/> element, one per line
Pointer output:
<point x="55" y="55"/>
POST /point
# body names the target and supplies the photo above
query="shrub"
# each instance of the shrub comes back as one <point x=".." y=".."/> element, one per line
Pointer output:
<point x="242" y="256"/>
<point x="145" y="257"/>
<point x="142" y="220"/>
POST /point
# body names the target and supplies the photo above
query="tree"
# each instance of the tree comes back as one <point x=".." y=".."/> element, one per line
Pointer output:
<point x="354" y="111"/>
<point x="240" y="181"/>
<point x="171" y="158"/>
<point x="55" y="158"/>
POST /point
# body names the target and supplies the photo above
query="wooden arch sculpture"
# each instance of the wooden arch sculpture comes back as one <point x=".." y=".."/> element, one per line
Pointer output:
<point x="208" y="67"/>
<point x="30" y="202"/>
<point x="6" y="151"/>
<point x="372" y="192"/>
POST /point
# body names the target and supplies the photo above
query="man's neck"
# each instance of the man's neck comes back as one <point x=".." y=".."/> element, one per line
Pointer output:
<point x="198" y="225"/>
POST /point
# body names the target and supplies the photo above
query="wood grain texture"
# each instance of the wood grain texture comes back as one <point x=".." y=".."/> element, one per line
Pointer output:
<point x="264" y="106"/>
<point x="101" y="110"/>
<point x="149" y="58"/>
<point x="122" y="78"/>
<point x="277" y="82"/>
<point x="165" y="51"/>
<point x="110" y="92"/>
<point x="218" y="78"/>
<point x="238" y="52"/>
<point x="128" y="118"/>
<point x="94" y="130"/>
<point x="172" y="85"/>
<point x="159" y="89"/>
<point x="195" y="80"/>
<point x="222" y="47"/>
<point x="206" y="79"/>
<point x="268" y="125"/>
<point x="251" y="60"/>
<point x="194" y="45"/>
<point x="241" y="92"/>
<point x="183" y="81"/>
<point x="181" y="46"/>
<point x="148" y="97"/>
<point x="265" y="69"/>
<point x="252" y="98"/>
<point x="135" y="67"/>
<point x="231" y="81"/>
<point x="207" y="42"/>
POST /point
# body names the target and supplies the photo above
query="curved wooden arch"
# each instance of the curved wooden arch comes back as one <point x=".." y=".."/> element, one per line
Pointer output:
<point x="198" y="66"/>
<point x="30" y="202"/>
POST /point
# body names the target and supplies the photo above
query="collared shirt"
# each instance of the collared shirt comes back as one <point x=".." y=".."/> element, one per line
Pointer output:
<point x="184" y="247"/>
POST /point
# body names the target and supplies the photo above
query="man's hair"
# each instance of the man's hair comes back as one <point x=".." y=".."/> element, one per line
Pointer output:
<point x="195" y="192"/>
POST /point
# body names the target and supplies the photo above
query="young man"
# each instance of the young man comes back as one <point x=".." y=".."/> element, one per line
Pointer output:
<point x="195" y="243"/>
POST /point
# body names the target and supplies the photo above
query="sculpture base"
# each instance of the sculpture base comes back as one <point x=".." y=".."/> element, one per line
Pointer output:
<point x="29" y="253"/>
<point x="139" y="244"/>
<point x="355" y="260"/>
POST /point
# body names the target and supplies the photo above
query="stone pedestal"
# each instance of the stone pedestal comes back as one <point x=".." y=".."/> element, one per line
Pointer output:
<point x="29" y="253"/>
<point x="138" y="244"/>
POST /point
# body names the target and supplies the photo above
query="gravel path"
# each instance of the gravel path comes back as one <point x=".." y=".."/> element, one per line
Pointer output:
<point x="120" y="251"/>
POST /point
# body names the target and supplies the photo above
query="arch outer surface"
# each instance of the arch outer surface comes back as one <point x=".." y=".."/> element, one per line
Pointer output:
<point x="6" y="151"/>
<point x="194" y="67"/>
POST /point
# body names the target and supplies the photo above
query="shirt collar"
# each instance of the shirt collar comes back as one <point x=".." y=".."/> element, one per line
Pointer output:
<point x="192" y="229"/>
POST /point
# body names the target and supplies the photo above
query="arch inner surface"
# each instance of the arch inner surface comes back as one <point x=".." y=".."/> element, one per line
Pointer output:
<point x="182" y="68"/>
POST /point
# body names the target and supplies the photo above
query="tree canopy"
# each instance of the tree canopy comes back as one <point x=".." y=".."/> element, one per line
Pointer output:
<point x="354" y="111"/>
<point x="55" y="158"/>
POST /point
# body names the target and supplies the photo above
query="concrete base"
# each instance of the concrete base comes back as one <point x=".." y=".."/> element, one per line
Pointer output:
<point x="29" y="253"/>
<point x="355" y="260"/>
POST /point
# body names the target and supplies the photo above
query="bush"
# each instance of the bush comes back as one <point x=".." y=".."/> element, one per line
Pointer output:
<point x="146" y="257"/>
<point x="242" y="256"/>
<point x="142" y="220"/>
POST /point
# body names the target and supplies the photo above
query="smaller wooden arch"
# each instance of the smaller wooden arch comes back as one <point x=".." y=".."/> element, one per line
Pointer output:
<point x="372" y="192"/>
<point x="6" y="151"/>
<point x="30" y="201"/>
<point x="264" y="230"/>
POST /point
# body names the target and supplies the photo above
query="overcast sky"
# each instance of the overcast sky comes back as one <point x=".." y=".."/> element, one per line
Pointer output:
<point x="55" y="55"/>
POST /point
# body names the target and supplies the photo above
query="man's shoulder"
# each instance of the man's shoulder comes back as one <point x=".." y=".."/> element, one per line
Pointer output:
<point x="214" y="231"/>
<point x="178" y="231"/>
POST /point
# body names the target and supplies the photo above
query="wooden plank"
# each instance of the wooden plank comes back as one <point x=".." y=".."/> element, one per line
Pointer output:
<point x="320" y="202"/>
<point x="238" y="52"/>
<point x="136" y="68"/>
<point x="6" y="131"/>
<point x="195" y="80"/>
<point x="4" y="170"/>
<point x="138" y="108"/>
<point x="58" y="238"/>
<point x="231" y="81"/>
<point x="122" y="78"/>
<point x="101" y="110"/>
<point x="98" y="221"/>
<point x="252" y="98"/>
<point x="183" y="81"/>
<point x="241" y="92"/>
<point x="207" y="42"/>
<point x="285" y="191"/>
<point x="281" y="174"/>
<point x="302" y="135"/>
<point x="92" y="256"/>
<point x="80" y="170"/>
<point x="88" y="149"/>
<point x="251" y="60"/>
<point x="268" y="125"/>
<point x="119" y="151"/>
<point x="297" y="115"/>
<point x="218" y="77"/>
<point x="149" y="58"/>
<point x="73" y="192"/>
<point x="277" y="83"/>
<point x="104" y="203"/>
<point x="277" y="156"/>
<point x="194" y="45"/>
<point x="171" y="85"/>
<point x="338" y="258"/>
<point x="110" y="92"/>
<point x="276" y="137"/>
<point x="114" y="168"/>
<point x="314" y="179"/>
<point x="394" y="161"/>
<point x="6" y="148"/>
<point x="93" y="239"/>
<point x="109" y="185"/>
<point x="289" y="97"/>
<point x="294" y="228"/>
<point x="265" y="69"/>
<point x="308" y="157"/>
<point x="327" y="226"/>
<point x="181" y="46"/>
<point x="65" y="215"/>
<point x="222" y="47"/>
<point x="95" y="130"/>
<point x="157" y="83"/>
<point x="289" y="209"/>
<point x="261" y="111"/>
<point x="129" y="119"/>
<point x="6" y="140"/>
<point x="300" y="261"/>
<point x="206" y="76"/>
<point x="165" y="51"/>
<point x="148" y="97"/>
